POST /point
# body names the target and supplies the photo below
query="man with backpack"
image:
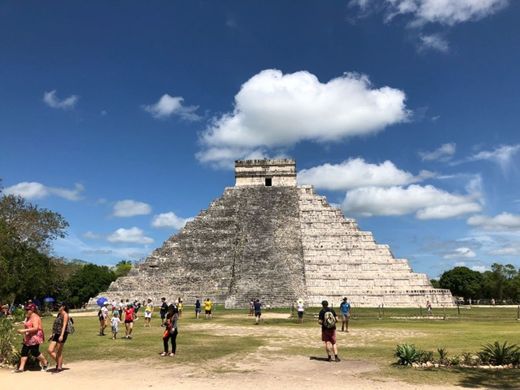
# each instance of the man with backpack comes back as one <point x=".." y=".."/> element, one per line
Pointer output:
<point x="327" y="319"/>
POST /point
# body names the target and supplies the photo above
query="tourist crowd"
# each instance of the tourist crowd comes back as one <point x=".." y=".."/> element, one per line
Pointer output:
<point x="115" y="313"/>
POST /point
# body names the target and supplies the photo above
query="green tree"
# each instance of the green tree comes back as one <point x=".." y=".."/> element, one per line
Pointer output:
<point x="462" y="282"/>
<point x="26" y="273"/>
<point x="32" y="225"/>
<point x="88" y="282"/>
<point x="123" y="268"/>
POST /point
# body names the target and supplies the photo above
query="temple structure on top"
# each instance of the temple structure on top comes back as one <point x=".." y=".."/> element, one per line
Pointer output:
<point x="270" y="239"/>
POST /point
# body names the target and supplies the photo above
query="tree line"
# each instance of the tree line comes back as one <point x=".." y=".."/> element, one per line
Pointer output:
<point x="501" y="284"/>
<point x="29" y="271"/>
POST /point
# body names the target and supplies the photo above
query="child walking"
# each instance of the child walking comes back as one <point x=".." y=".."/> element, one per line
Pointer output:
<point x="115" y="324"/>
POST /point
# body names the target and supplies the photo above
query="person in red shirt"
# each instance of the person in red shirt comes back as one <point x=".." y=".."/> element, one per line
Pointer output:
<point x="129" y="320"/>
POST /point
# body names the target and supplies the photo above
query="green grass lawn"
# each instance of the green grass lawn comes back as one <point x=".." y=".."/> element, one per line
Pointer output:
<point x="370" y="339"/>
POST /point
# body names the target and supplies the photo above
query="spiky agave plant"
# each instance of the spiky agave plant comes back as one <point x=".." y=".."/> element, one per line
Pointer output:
<point x="407" y="354"/>
<point x="499" y="354"/>
<point x="443" y="355"/>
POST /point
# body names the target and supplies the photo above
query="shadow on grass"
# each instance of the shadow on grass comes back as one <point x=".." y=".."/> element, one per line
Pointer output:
<point x="489" y="379"/>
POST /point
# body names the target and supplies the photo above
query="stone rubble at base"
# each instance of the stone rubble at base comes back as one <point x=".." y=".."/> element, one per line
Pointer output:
<point x="270" y="239"/>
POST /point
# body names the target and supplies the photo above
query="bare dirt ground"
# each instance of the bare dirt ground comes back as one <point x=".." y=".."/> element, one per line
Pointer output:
<point x="253" y="373"/>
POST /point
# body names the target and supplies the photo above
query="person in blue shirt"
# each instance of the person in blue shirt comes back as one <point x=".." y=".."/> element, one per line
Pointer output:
<point x="345" y="314"/>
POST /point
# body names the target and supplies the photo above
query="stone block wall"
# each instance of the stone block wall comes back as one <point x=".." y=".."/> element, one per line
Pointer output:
<point x="340" y="260"/>
<point x="277" y="243"/>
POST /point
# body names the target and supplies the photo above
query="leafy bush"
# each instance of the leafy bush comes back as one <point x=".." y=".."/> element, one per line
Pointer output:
<point x="500" y="354"/>
<point x="8" y="350"/>
<point x="426" y="356"/>
<point x="455" y="361"/>
<point x="407" y="354"/>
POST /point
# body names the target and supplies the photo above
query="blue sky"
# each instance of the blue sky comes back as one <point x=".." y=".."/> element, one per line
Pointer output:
<point x="125" y="117"/>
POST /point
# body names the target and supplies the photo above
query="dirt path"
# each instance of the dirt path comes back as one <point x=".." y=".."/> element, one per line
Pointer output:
<point x="291" y="373"/>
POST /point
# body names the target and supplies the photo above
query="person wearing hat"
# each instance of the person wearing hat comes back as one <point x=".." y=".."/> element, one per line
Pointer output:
<point x="32" y="338"/>
<point x="59" y="336"/>
<point x="103" y="318"/>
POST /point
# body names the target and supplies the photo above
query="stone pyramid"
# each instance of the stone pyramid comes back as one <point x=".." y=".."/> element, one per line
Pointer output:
<point x="268" y="238"/>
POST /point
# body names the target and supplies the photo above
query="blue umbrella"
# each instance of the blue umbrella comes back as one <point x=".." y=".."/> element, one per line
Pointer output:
<point x="101" y="301"/>
<point x="48" y="299"/>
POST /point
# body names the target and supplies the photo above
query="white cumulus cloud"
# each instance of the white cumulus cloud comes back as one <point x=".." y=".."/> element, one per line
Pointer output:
<point x="446" y="12"/>
<point x="462" y="252"/>
<point x="274" y="110"/>
<point x="132" y="235"/>
<point x="131" y="208"/>
<point x="443" y="153"/>
<point x="427" y="202"/>
<point x="35" y="190"/>
<point x="500" y="222"/>
<point x="168" y="106"/>
<point x="169" y="220"/>
<point x="53" y="101"/>
<point x="355" y="173"/>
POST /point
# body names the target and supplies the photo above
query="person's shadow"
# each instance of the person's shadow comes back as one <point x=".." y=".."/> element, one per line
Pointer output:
<point x="321" y="359"/>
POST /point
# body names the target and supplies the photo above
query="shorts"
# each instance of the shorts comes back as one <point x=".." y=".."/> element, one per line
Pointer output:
<point x="300" y="314"/>
<point x="258" y="313"/>
<point x="208" y="311"/>
<point x="32" y="349"/>
<point x="328" y="335"/>
<point x="115" y="329"/>
<point x="55" y="337"/>
<point x="197" y="310"/>
<point x="346" y="317"/>
<point x="147" y="314"/>
<point x="163" y="315"/>
<point x="129" y="321"/>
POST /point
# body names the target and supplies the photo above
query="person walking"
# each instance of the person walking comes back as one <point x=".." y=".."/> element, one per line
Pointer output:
<point x="258" y="310"/>
<point x="115" y="321"/>
<point x="197" y="309"/>
<point x="103" y="318"/>
<point x="163" y="310"/>
<point x="129" y="320"/>
<point x="180" y="307"/>
<point x="344" y="308"/>
<point x="327" y="319"/>
<point x="148" y="310"/>
<point x="32" y="338"/>
<point x="300" y="309"/>
<point x="59" y="336"/>
<point x="208" y="306"/>
<point x="171" y="331"/>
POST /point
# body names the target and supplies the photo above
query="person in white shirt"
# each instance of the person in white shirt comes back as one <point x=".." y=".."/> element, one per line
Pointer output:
<point x="300" y="309"/>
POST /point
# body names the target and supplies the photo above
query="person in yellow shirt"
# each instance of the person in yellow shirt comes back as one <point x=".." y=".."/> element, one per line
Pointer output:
<point x="180" y="306"/>
<point x="148" y="310"/>
<point x="208" y="305"/>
